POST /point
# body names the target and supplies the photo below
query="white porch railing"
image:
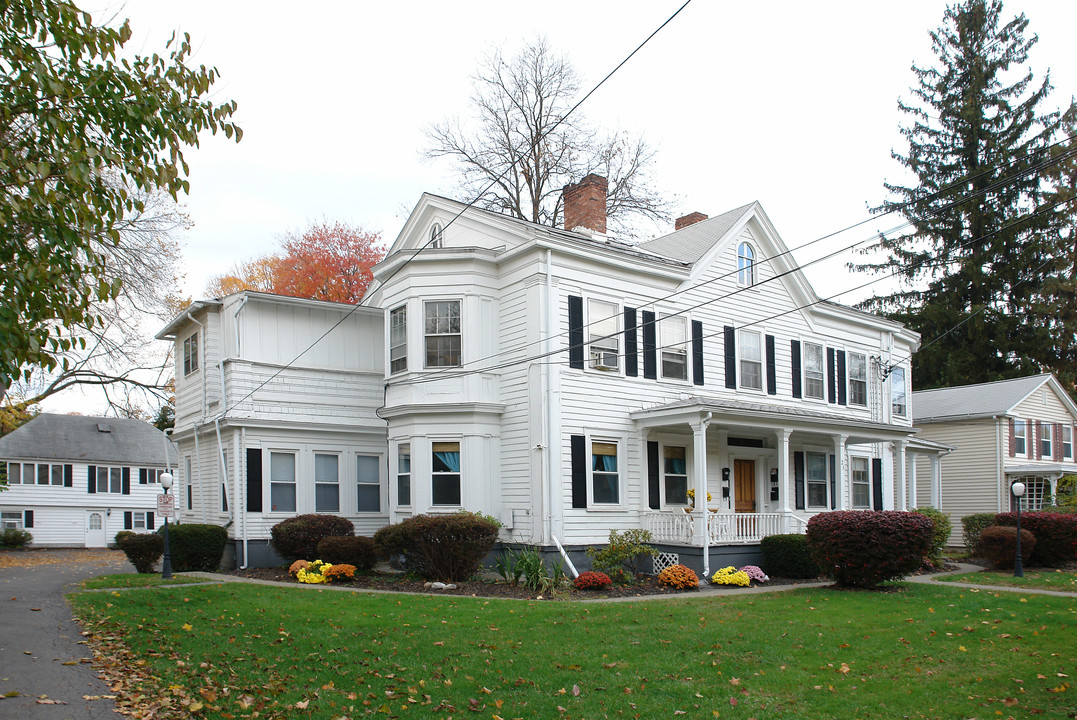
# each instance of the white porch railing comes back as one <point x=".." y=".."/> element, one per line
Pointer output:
<point x="722" y="528"/>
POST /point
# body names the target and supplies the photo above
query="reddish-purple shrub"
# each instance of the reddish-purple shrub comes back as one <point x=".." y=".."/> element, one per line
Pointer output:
<point x="862" y="548"/>
<point x="449" y="548"/>
<point x="998" y="544"/>
<point x="592" y="580"/>
<point x="1056" y="535"/>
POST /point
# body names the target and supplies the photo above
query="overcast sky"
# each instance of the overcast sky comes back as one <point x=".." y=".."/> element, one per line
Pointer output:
<point x="792" y="104"/>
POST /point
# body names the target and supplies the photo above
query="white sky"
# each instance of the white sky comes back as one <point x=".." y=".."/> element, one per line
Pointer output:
<point x="789" y="103"/>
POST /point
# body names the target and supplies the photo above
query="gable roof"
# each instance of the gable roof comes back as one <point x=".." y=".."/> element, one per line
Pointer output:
<point x="88" y="439"/>
<point x="690" y="244"/>
<point x="982" y="399"/>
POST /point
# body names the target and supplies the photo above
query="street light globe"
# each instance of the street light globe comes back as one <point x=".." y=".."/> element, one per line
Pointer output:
<point x="1018" y="489"/>
<point x="166" y="481"/>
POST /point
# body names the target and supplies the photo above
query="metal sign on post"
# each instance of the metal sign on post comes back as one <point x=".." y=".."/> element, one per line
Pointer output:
<point x="166" y="506"/>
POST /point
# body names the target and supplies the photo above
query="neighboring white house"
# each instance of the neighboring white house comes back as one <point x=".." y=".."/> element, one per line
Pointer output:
<point x="75" y="481"/>
<point x="1021" y="429"/>
<point x="562" y="381"/>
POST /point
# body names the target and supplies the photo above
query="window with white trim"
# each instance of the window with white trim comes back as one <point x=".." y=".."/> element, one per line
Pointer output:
<point x="857" y="371"/>
<point x="367" y="483"/>
<point x="813" y="371"/>
<point x="109" y="480"/>
<point x="673" y="339"/>
<point x="282" y="482"/>
<point x="11" y="520"/>
<point x="605" y="480"/>
<point x="675" y="474"/>
<point x="138" y="521"/>
<point x="35" y="474"/>
<point x="190" y="354"/>
<point x="441" y="330"/>
<point x="1067" y="442"/>
<point x="326" y="483"/>
<point x="815" y="475"/>
<point x="398" y="339"/>
<point x="445" y="473"/>
<point x="745" y="265"/>
<point x="150" y="476"/>
<point x="437" y="236"/>
<point x="859" y="471"/>
<point x="750" y="349"/>
<point x="1046" y="438"/>
<point x="403" y="475"/>
<point x="1020" y="437"/>
<point x="603" y="335"/>
<point x="898" y="392"/>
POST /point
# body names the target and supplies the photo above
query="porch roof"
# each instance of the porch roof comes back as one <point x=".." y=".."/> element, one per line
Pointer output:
<point x="1051" y="468"/>
<point x="770" y="417"/>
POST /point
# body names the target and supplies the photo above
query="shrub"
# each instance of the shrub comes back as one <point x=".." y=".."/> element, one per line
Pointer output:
<point x="787" y="556"/>
<point x="355" y="550"/>
<point x="592" y="580"/>
<point x="998" y="544"/>
<point x="1056" y="535"/>
<point x="143" y="550"/>
<point x="862" y="549"/>
<point x="121" y="535"/>
<point x="298" y="565"/>
<point x="941" y="521"/>
<point x="680" y="577"/>
<point x="972" y="526"/>
<point x="755" y="573"/>
<point x="195" y="546"/>
<point x="15" y="538"/>
<point x="731" y="576"/>
<point x="298" y="537"/>
<point x="449" y="548"/>
<point x="622" y="557"/>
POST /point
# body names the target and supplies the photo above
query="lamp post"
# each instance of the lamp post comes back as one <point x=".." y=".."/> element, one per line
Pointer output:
<point x="1018" y="489"/>
<point x="166" y="563"/>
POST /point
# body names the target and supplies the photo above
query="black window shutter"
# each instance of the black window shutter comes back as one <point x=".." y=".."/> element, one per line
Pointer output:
<point x="27" y="518"/>
<point x="798" y="478"/>
<point x="730" y="357"/>
<point x="794" y="356"/>
<point x="142" y="476"/>
<point x="127" y="520"/>
<point x="650" y="346"/>
<point x="697" y="352"/>
<point x="833" y="483"/>
<point x="579" y="471"/>
<point x="654" y="496"/>
<point x="831" y="377"/>
<point x="126" y="481"/>
<point x="254" y="480"/>
<point x="575" y="331"/>
<point x="772" y="370"/>
<point x="631" y="354"/>
<point x="69" y="476"/>
<point x="91" y="479"/>
<point x="842" y="399"/>
<point x="877" y="482"/>
<point x="149" y="521"/>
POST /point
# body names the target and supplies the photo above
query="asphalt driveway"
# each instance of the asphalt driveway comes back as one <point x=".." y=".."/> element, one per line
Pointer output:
<point x="44" y="671"/>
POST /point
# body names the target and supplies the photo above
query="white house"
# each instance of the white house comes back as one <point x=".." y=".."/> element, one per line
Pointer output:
<point x="562" y="381"/>
<point x="75" y="481"/>
<point x="1021" y="429"/>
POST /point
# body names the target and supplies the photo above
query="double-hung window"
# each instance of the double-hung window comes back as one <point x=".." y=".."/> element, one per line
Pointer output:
<point x="190" y="354"/>
<point x="675" y="469"/>
<point x="813" y="371"/>
<point x="1020" y="437"/>
<point x="815" y="470"/>
<point x="749" y="345"/>
<point x="398" y="339"/>
<point x="605" y="482"/>
<point x="282" y="481"/>
<point x="403" y="475"/>
<point x="367" y="483"/>
<point x="445" y="473"/>
<point x="109" y="480"/>
<point x="858" y="378"/>
<point x="1067" y="442"/>
<point x="861" y="478"/>
<point x="673" y="337"/>
<point x="442" y="331"/>
<point x="326" y="483"/>
<point x="745" y="265"/>
<point x="898" y="392"/>
<point x="1046" y="438"/>
<point x="603" y="335"/>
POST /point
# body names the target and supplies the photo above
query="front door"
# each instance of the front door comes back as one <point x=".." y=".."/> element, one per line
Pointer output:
<point x="95" y="529"/>
<point x="744" y="485"/>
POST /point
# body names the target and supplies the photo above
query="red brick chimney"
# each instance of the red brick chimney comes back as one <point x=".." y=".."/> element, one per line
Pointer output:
<point x="689" y="219"/>
<point x="585" y="204"/>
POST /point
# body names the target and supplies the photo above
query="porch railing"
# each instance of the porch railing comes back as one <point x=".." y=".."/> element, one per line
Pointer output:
<point x="722" y="528"/>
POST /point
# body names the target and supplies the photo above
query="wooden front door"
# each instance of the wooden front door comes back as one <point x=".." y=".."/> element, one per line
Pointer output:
<point x="744" y="485"/>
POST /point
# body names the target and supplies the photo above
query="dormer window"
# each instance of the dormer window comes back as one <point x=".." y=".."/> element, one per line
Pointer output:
<point x="437" y="236"/>
<point x="745" y="265"/>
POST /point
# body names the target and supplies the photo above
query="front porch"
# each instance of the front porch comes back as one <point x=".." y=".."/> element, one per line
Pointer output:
<point x="723" y="528"/>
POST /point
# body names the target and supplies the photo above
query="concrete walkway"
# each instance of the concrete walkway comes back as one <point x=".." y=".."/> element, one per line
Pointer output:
<point x="967" y="568"/>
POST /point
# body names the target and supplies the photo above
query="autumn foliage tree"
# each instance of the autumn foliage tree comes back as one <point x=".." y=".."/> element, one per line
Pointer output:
<point x="329" y="261"/>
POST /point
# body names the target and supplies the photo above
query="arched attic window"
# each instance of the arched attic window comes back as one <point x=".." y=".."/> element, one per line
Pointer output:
<point x="437" y="236"/>
<point x="745" y="265"/>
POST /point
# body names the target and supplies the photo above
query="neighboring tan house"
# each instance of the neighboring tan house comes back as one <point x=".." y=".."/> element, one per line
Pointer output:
<point x="1003" y="431"/>
<point x="75" y="481"/>
<point x="560" y="380"/>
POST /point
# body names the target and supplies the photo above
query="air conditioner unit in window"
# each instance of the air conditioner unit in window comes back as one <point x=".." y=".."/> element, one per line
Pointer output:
<point x="604" y="359"/>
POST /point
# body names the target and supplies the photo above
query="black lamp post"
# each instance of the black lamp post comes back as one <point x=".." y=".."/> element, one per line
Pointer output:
<point x="1018" y="489"/>
<point x="166" y="562"/>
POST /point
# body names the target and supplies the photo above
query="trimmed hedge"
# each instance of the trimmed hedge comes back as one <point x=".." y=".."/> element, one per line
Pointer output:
<point x="297" y="537"/>
<point x="972" y="526"/>
<point x="862" y="549"/>
<point x="356" y="550"/>
<point x="15" y="538"/>
<point x="1056" y="535"/>
<point x="787" y="556"/>
<point x="998" y="544"/>
<point x="142" y="549"/>
<point x="195" y="546"/>
<point x="448" y="548"/>
<point x="942" y="532"/>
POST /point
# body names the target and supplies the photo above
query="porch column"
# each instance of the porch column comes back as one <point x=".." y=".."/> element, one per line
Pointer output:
<point x="783" y="471"/>
<point x="913" y="502"/>
<point x="901" y="476"/>
<point x="842" y="471"/>
<point x="699" y="457"/>
<point x="936" y="482"/>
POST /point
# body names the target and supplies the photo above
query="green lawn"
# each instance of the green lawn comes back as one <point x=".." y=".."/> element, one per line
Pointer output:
<point x="131" y="580"/>
<point x="919" y="652"/>
<point x="1046" y="578"/>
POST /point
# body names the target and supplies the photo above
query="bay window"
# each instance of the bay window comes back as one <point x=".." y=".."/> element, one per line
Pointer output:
<point x="445" y="473"/>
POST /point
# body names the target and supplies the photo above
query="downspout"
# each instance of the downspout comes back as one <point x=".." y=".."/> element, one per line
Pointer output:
<point x="240" y="495"/>
<point x="220" y="452"/>
<point x="552" y="434"/>
<point x="201" y="421"/>
<point x="243" y="517"/>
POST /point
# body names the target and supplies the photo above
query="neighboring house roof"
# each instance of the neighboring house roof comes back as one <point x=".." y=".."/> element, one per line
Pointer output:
<point x="91" y="439"/>
<point x="690" y="244"/>
<point x="981" y="400"/>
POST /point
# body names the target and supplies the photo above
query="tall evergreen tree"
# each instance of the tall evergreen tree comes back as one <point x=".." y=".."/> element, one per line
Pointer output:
<point x="985" y="252"/>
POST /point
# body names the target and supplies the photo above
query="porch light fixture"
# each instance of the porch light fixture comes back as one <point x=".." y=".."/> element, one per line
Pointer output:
<point x="1018" y="489"/>
<point x="166" y="562"/>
